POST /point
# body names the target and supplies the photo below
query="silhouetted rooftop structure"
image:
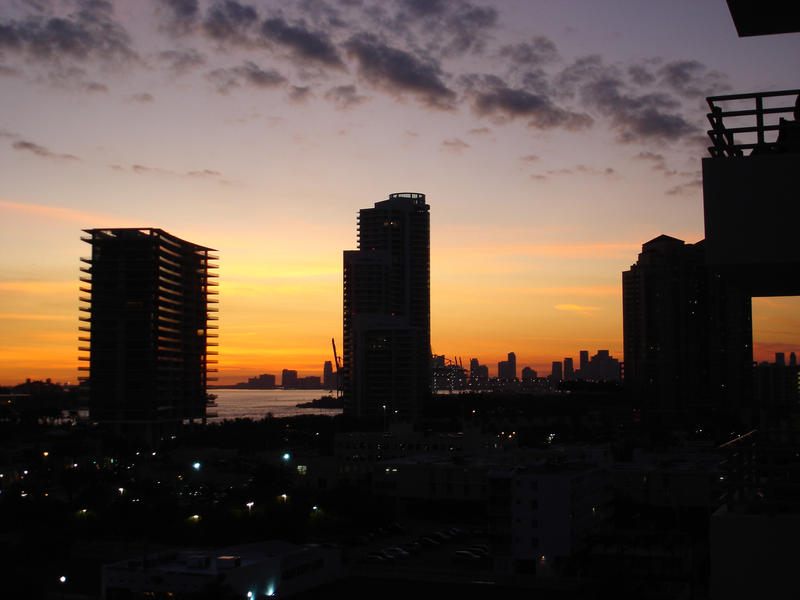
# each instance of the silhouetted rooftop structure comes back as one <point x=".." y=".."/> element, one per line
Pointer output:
<point x="742" y="122"/>
<point x="754" y="17"/>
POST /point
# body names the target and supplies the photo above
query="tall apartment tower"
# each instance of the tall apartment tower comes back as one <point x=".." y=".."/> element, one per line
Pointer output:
<point x="687" y="331"/>
<point x="147" y="319"/>
<point x="387" y="324"/>
<point x="569" y="369"/>
<point x="556" y="374"/>
<point x="584" y="360"/>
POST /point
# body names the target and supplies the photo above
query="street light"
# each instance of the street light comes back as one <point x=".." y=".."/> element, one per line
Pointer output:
<point x="249" y="506"/>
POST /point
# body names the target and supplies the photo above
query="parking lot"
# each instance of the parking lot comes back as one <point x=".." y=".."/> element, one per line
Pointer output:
<point x="422" y="551"/>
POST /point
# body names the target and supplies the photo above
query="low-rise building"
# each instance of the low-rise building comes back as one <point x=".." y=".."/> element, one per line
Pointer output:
<point x="542" y="513"/>
<point x="251" y="571"/>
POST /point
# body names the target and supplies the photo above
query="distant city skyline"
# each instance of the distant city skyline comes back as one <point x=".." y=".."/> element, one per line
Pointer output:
<point x="551" y="140"/>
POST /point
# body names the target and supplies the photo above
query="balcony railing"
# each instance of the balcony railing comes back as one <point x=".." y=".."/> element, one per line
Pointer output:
<point x="741" y="122"/>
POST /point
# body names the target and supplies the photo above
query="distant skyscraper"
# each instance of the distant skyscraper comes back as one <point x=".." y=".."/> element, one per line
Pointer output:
<point x="507" y="369"/>
<point x="602" y="367"/>
<point x="288" y="379"/>
<point x="328" y="376"/>
<point x="555" y="374"/>
<point x="780" y="359"/>
<point x="792" y="359"/>
<point x="473" y="368"/>
<point x="584" y="359"/>
<point x="528" y="374"/>
<point x="387" y="332"/>
<point x="150" y="316"/>
<point x="569" y="370"/>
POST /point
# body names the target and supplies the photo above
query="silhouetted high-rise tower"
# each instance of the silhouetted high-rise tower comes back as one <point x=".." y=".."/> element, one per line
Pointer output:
<point x="148" y="316"/>
<point x="387" y="331"/>
<point x="687" y="333"/>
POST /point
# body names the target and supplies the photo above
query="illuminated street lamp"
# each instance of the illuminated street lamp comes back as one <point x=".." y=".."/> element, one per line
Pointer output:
<point x="249" y="506"/>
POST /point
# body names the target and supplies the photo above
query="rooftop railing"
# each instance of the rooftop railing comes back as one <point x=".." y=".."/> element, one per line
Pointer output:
<point x="742" y="122"/>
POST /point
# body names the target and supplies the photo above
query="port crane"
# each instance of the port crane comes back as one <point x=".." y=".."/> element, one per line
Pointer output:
<point x="337" y="360"/>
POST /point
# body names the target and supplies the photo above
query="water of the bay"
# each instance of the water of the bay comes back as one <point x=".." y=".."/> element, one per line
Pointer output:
<point x="255" y="404"/>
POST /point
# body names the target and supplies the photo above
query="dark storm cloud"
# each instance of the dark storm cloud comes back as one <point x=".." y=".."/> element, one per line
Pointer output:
<point x="307" y="45"/>
<point x="497" y="99"/>
<point x="72" y="78"/>
<point x="537" y="81"/>
<point x="687" y="187"/>
<point x="90" y="32"/>
<point x="692" y="79"/>
<point x="640" y="75"/>
<point x="539" y="51"/>
<point x="230" y="21"/>
<point x="344" y="97"/>
<point x="299" y="94"/>
<point x="25" y="146"/>
<point x="139" y="169"/>
<point x="8" y="71"/>
<point x="580" y="168"/>
<point x="203" y="173"/>
<point x="398" y="71"/>
<point x="467" y="26"/>
<point x="425" y="8"/>
<point x="651" y="156"/>
<point x="455" y="145"/>
<point x="248" y="72"/>
<point x="452" y="26"/>
<point x="322" y="13"/>
<point x="181" y="61"/>
<point x="585" y="68"/>
<point x="181" y="14"/>
<point x="637" y="116"/>
<point x="143" y="97"/>
<point x="142" y="170"/>
<point x="255" y="75"/>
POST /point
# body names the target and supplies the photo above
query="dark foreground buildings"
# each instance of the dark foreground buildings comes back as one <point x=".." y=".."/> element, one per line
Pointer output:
<point x="386" y="321"/>
<point x="687" y="307"/>
<point x="147" y="321"/>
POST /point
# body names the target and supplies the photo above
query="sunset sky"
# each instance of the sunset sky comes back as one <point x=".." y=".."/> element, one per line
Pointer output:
<point x="551" y="137"/>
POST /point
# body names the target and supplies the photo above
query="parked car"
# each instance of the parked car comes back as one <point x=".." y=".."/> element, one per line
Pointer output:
<point x="394" y="552"/>
<point x="465" y="556"/>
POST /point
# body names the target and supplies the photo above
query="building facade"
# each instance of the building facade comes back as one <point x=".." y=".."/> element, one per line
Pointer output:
<point x="147" y="320"/>
<point x="386" y="317"/>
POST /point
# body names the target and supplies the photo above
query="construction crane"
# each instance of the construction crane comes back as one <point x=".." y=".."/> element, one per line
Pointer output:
<point x="337" y="360"/>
